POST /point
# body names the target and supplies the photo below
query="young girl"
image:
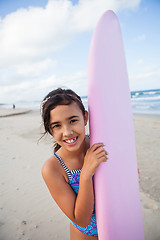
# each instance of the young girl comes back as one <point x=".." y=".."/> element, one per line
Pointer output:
<point x="68" y="173"/>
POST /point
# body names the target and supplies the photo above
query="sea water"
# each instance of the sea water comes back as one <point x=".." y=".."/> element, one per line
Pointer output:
<point x="147" y="101"/>
<point x="143" y="102"/>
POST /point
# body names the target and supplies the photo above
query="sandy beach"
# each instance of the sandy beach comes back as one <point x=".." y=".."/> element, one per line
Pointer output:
<point x="27" y="210"/>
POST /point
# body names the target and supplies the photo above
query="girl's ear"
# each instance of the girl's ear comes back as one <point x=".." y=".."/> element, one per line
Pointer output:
<point x="86" y="118"/>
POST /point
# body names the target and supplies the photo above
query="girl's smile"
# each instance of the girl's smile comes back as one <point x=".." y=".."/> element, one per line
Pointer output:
<point x="71" y="141"/>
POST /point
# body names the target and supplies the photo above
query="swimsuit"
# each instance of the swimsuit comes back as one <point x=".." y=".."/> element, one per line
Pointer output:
<point x="73" y="177"/>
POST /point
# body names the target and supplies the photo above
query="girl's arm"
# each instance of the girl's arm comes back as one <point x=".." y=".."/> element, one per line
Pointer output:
<point x="77" y="208"/>
<point x="84" y="205"/>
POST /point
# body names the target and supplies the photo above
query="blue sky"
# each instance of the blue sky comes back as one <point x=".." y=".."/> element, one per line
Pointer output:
<point x="45" y="44"/>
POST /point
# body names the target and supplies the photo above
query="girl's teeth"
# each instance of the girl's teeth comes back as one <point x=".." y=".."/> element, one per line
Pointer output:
<point x="71" y="141"/>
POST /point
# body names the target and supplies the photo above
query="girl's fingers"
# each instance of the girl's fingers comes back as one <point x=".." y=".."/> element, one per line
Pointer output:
<point x="106" y="152"/>
<point x="95" y="146"/>
<point x="102" y="159"/>
<point x="98" y="146"/>
<point x="101" y="149"/>
<point x="101" y="155"/>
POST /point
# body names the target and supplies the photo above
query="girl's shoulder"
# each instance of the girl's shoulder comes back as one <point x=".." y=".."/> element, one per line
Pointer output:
<point x="52" y="168"/>
<point x="50" y="164"/>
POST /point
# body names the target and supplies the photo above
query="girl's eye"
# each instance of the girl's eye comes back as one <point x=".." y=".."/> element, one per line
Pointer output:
<point x="56" y="126"/>
<point x="73" y="120"/>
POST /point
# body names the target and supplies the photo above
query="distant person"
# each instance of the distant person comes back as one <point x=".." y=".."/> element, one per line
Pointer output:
<point x="14" y="106"/>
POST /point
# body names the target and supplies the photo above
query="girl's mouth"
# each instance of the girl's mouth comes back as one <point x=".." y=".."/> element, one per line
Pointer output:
<point x="71" y="141"/>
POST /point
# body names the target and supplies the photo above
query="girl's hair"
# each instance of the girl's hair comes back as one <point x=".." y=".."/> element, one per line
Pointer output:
<point x="53" y="99"/>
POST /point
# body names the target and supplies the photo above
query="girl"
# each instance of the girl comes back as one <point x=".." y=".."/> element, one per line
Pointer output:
<point x="68" y="173"/>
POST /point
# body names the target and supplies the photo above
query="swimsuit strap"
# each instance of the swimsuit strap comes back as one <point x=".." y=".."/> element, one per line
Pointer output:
<point x="68" y="172"/>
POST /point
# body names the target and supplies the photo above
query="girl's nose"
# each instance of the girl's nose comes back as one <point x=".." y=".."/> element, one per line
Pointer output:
<point x="67" y="131"/>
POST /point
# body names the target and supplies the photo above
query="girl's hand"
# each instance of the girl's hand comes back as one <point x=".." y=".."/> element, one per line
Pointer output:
<point x="94" y="156"/>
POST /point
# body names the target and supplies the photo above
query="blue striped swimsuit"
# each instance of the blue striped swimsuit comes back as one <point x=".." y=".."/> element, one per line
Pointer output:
<point x="73" y="177"/>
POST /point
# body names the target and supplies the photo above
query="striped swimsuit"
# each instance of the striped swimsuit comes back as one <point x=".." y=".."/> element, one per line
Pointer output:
<point x="73" y="177"/>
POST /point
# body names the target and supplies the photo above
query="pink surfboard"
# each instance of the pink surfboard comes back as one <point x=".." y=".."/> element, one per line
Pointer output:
<point x="117" y="198"/>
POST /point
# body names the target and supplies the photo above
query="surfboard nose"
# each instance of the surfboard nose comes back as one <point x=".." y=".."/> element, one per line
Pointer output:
<point x="108" y="17"/>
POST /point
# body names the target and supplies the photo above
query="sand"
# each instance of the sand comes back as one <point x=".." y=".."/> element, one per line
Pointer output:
<point x="27" y="210"/>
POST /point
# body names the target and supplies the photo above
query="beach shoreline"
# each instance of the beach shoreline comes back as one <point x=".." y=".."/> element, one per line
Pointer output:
<point x="26" y="207"/>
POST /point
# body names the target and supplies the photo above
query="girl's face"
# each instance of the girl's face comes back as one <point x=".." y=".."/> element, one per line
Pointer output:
<point x="67" y="125"/>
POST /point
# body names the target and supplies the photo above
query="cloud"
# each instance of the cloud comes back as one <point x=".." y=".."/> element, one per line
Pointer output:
<point x="30" y="90"/>
<point x="145" y="75"/>
<point x="36" y="32"/>
<point x="31" y="37"/>
<point x="36" y="68"/>
<point x="146" y="78"/>
<point x="140" y="61"/>
<point x="140" y="38"/>
<point x="87" y="12"/>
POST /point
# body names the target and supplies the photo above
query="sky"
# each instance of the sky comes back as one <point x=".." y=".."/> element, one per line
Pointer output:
<point x="44" y="44"/>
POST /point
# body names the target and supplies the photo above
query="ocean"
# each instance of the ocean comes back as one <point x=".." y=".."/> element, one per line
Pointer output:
<point x="143" y="102"/>
<point x="147" y="101"/>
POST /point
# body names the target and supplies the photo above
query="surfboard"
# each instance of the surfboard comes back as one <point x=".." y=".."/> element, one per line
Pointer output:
<point x="117" y="198"/>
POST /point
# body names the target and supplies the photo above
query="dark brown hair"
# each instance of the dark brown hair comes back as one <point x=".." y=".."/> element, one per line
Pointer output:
<point x="53" y="99"/>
